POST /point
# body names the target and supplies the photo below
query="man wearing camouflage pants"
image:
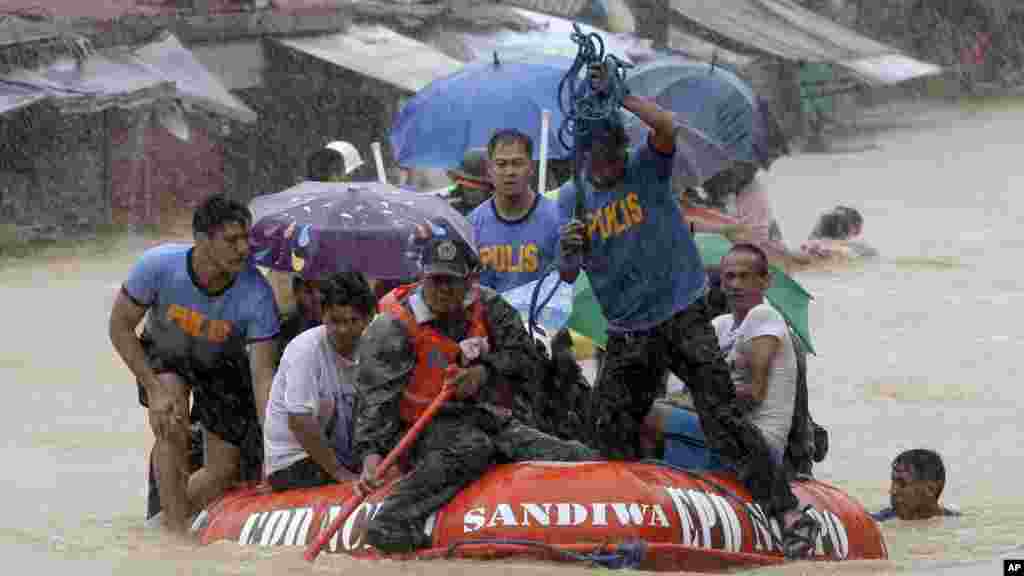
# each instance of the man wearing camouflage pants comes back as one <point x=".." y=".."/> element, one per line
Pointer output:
<point x="404" y="353"/>
<point x="648" y="276"/>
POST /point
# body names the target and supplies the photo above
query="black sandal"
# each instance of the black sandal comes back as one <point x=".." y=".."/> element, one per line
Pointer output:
<point x="798" y="541"/>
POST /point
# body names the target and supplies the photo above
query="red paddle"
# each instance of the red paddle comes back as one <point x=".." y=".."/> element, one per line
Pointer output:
<point x="313" y="550"/>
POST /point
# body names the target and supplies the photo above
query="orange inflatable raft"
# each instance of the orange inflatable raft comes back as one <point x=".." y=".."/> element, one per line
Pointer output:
<point x="650" y="516"/>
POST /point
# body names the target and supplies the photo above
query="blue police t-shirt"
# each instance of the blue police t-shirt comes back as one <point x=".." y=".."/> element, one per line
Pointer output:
<point x="643" y="265"/>
<point x="185" y="321"/>
<point x="516" y="252"/>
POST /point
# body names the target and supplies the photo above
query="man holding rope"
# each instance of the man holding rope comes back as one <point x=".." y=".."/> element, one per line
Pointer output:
<point x="445" y="328"/>
<point x="646" y="272"/>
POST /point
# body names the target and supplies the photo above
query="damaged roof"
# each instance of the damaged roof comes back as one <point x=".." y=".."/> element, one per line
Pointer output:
<point x="792" y="32"/>
<point x="380" y="53"/>
<point x="123" y="78"/>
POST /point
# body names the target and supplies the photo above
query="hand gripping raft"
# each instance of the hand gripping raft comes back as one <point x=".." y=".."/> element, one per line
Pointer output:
<point x="404" y="444"/>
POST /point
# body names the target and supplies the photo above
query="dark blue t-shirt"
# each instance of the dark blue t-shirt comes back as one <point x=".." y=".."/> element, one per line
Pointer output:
<point x="644" y="265"/>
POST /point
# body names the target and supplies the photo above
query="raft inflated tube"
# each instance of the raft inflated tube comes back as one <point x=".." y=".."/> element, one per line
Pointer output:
<point x="688" y="520"/>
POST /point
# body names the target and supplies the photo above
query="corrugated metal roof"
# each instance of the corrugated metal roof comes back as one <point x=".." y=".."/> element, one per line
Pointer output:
<point x="104" y="10"/>
<point x="552" y="36"/>
<point x="15" y="30"/>
<point x="785" y="29"/>
<point x="121" y="77"/>
<point x="380" y="53"/>
<point x="171" y="61"/>
<point x="13" y="96"/>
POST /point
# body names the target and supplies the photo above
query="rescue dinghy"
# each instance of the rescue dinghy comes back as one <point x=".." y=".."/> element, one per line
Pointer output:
<point x="650" y="515"/>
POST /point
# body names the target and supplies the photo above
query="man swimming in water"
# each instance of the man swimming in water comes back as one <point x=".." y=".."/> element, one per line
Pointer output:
<point x="918" y="477"/>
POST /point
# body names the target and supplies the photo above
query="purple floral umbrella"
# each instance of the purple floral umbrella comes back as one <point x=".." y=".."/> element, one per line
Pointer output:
<point x="318" y="228"/>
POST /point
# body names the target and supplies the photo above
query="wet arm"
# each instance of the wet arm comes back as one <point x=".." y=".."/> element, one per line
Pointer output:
<point x="661" y="121"/>
<point x="124" y="318"/>
<point x="262" y="358"/>
<point x="307" y="432"/>
<point x="762" y="352"/>
<point x="386" y="362"/>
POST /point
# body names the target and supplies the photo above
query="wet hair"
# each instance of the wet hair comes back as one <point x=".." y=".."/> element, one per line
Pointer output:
<point x="323" y="164"/>
<point x="217" y="211"/>
<point x="386" y="286"/>
<point x="510" y="136"/>
<point x="298" y="282"/>
<point x="717" y="300"/>
<point x="608" y="134"/>
<point x="348" y="289"/>
<point x="762" y="258"/>
<point x="852" y="216"/>
<point x="833" y="224"/>
<point x="729" y="182"/>
<point x="743" y="174"/>
<point x="925" y="465"/>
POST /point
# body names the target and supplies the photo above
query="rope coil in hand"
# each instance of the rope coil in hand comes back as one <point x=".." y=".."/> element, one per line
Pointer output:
<point x="582" y="107"/>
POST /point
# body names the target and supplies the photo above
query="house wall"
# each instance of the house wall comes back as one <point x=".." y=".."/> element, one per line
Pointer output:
<point x="52" y="173"/>
<point x="157" y="179"/>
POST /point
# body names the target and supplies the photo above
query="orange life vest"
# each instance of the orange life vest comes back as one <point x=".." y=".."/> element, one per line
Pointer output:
<point x="434" y="351"/>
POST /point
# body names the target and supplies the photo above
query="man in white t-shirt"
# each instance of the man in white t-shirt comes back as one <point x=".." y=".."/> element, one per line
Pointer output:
<point x="757" y="344"/>
<point x="308" y="435"/>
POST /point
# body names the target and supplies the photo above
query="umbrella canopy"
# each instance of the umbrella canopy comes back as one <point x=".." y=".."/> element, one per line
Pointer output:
<point x="463" y="111"/>
<point x="318" y="228"/>
<point x="579" y="309"/>
<point x="572" y="305"/>
<point x="715" y="101"/>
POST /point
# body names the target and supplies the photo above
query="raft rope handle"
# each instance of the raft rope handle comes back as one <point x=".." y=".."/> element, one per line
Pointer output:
<point x="627" y="555"/>
<point x="725" y="491"/>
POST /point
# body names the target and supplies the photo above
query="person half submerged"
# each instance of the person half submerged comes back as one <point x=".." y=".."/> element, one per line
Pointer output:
<point x="918" y="477"/>
<point x="837" y="236"/>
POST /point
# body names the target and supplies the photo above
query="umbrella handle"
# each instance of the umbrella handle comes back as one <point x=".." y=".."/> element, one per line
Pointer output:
<point x="545" y="125"/>
<point x="378" y="158"/>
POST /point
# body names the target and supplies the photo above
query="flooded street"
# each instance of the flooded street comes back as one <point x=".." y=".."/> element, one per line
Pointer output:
<point x="917" y="349"/>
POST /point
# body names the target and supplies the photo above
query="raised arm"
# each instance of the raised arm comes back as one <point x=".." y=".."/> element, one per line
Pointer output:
<point x="661" y="121"/>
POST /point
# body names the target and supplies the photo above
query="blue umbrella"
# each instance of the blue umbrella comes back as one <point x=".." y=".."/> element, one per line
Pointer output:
<point x="464" y="110"/>
<point x="715" y="101"/>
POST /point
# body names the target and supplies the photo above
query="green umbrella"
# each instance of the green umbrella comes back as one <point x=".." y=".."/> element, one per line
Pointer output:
<point x="785" y="294"/>
<point x="586" y="316"/>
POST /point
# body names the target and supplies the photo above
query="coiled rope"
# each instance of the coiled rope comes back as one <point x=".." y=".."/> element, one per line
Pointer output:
<point x="582" y="107"/>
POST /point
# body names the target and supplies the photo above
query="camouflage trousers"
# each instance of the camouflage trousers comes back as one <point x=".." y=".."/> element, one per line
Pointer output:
<point x="631" y="378"/>
<point x="453" y="451"/>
